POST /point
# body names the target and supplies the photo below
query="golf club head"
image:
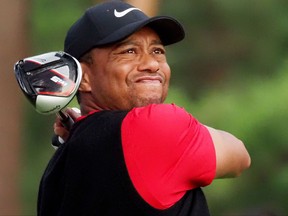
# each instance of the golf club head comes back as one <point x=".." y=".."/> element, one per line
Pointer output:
<point x="49" y="81"/>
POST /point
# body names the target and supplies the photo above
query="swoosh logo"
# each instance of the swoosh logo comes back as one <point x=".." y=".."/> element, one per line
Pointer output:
<point x="123" y="13"/>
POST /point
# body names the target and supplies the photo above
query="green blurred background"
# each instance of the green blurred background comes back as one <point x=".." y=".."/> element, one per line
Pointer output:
<point x="230" y="72"/>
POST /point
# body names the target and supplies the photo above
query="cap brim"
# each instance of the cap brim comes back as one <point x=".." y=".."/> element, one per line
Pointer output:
<point x="169" y="30"/>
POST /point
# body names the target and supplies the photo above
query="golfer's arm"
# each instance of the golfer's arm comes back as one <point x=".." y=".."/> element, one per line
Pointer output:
<point x="231" y="155"/>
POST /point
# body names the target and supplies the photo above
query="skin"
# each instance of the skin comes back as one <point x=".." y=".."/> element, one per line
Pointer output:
<point x="129" y="74"/>
<point x="135" y="73"/>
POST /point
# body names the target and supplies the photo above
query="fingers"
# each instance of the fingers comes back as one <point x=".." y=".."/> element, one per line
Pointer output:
<point x="58" y="126"/>
<point x="73" y="112"/>
<point x="60" y="130"/>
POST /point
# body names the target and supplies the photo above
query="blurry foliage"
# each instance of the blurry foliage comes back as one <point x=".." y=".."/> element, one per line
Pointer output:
<point x="258" y="115"/>
<point x="227" y="41"/>
<point x="230" y="72"/>
<point x="51" y="20"/>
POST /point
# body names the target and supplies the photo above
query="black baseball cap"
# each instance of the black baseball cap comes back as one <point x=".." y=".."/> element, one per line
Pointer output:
<point x="113" y="21"/>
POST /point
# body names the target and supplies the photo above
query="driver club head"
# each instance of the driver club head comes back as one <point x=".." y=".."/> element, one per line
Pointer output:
<point x="49" y="81"/>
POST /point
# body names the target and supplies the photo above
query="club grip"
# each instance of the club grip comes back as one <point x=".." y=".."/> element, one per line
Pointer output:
<point x="66" y="120"/>
<point x="56" y="141"/>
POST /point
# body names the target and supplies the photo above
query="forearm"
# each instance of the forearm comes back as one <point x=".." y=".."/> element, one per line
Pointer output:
<point x="232" y="158"/>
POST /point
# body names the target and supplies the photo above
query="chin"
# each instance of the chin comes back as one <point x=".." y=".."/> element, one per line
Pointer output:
<point x="144" y="97"/>
<point x="147" y="101"/>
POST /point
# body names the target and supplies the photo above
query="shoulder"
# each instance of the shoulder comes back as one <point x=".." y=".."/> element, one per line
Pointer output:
<point x="161" y="125"/>
<point x="155" y="109"/>
<point x="166" y="149"/>
<point x="159" y="114"/>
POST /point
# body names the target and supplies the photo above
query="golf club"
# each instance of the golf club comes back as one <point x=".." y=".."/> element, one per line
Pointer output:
<point x="50" y="81"/>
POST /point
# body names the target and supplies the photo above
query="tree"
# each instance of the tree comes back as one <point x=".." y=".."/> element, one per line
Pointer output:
<point x="13" y="47"/>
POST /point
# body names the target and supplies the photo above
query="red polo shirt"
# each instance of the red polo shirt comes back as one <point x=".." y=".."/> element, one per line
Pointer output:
<point x="167" y="152"/>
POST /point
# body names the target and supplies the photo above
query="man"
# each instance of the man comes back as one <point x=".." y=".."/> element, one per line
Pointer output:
<point x="129" y="153"/>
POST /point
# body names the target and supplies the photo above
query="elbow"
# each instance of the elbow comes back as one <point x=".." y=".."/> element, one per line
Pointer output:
<point x="243" y="165"/>
<point x="246" y="162"/>
<point x="244" y="159"/>
<point x="241" y="161"/>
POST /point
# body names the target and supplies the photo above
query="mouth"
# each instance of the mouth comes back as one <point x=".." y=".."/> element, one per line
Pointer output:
<point x="150" y="79"/>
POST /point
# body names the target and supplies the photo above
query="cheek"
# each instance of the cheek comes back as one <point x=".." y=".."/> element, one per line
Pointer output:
<point x="167" y="73"/>
<point x="114" y="79"/>
<point x="120" y="74"/>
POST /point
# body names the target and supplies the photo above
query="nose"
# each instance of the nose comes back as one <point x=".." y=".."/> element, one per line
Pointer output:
<point x="148" y="63"/>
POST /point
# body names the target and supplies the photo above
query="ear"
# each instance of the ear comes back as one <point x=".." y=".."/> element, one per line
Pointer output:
<point x="85" y="85"/>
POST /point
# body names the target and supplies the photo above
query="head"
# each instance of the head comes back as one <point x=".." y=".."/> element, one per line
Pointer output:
<point x="122" y="54"/>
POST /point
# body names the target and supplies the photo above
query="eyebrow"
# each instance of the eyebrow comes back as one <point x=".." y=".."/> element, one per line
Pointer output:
<point x="133" y="42"/>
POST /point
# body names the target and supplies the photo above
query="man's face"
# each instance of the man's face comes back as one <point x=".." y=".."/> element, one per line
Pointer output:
<point x="131" y="73"/>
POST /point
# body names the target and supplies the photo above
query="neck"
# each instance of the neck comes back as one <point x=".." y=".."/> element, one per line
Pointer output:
<point x="87" y="104"/>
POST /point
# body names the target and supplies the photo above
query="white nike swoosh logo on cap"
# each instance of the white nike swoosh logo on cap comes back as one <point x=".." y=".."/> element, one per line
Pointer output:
<point x="123" y="13"/>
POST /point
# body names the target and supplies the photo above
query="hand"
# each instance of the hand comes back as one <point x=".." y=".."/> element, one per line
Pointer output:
<point x="59" y="128"/>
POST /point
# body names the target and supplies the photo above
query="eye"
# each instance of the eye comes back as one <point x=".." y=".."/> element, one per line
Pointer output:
<point x="129" y="51"/>
<point x="159" y="51"/>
